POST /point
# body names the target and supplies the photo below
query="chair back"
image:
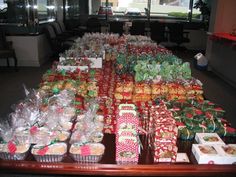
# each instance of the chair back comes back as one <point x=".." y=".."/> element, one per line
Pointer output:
<point x="158" y="31"/>
<point x="116" y="27"/>
<point x="62" y="26"/>
<point x="176" y="33"/>
<point x="137" y="28"/>
<point x="56" y="28"/>
<point x="49" y="31"/>
<point x="3" y="40"/>
<point x="93" y="25"/>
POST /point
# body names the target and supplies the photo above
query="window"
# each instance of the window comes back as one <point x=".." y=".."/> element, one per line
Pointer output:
<point x="171" y="9"/>
<point x="72" y="9"/>
<point x="46" y="10"/>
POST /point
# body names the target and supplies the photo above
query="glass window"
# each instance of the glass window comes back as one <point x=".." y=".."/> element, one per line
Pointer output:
<point x="72" y="9"/>
<point x="46" y="10"/>
<point x="196" y="14"/>
<point x="170" y="8"/>
<point x="3" y="11"/>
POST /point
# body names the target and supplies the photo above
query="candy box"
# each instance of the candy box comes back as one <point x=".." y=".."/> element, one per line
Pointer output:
<point x="165" y="133"/>
<point x="229" y="153"/>
<point x="165" y="152"/>
<point x="96" y="62"/>
<point x="127" y="146"/>
<point x="207" y="154"/>
<point x="72" y="68"/>
<point x="208" y="138"/>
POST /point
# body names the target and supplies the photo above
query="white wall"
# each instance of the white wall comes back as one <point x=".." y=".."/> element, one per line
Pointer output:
<point x="30" y="50"/>
<point x="225" y="16"/>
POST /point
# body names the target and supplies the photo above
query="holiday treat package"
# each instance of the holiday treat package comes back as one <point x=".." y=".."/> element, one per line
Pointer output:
<point x="165" y="152"/>
<point x="215" y="153"/>
<point x="12" y="151"/>
<point x="208" y="138"/>
<point x="127" y="142"/>
<point x="87" y="153"/>
<point x="95" y="62"/>
<point x="164" y="134"/>
<point x="53" y="152"/>
<point x="229" y="153"/>
<point x="73" y="65"/>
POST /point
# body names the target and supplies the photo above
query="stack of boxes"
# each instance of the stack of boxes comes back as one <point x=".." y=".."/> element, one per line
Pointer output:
<point x="127" y="141"/>
<point x="164" y="134"/>
<point x="212" y="149"/>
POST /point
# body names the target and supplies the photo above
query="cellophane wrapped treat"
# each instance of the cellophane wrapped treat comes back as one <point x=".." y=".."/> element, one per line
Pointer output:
<point x="53" y="152"/>
<point x="87" y="153"/>
<point x="89" y="125"/>
<point x="12" y="147"/>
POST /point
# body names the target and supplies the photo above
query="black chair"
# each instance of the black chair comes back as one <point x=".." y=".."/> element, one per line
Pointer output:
<point x="93" y="25"/>
<point x="177" y="34"/>
<point x="69" y="36"/>
<point x="75" y="31"/>
<point x="158" y="32"/>
<point x="137" y="28"/>
<point x="6" y="49"/>
<point x="116" y="27"/>
<point x="58" y="44"/>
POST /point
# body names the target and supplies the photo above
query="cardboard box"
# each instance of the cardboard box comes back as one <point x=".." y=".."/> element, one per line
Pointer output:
<point x="229" y="153"/>
<point x="208" y="138"/>
<point x="72" y="68"/>
<point x="206" y="154"/>
<point x="96" y="62"/>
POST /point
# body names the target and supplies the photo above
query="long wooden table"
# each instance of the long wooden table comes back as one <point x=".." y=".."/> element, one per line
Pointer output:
<point x="108" y="167"/>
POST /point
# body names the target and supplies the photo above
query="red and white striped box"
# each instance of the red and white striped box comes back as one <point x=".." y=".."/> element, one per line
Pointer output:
<point x="165" y="152"/>
<point x="127" y="144"/>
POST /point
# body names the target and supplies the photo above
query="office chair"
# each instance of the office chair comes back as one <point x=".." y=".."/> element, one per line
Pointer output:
<point x="6" y="49"/>
<point x="116" y="27"/>
<point x="63" y="34"/>
<point x="137" y="28"/>
<point x="93" y="25"/>
<point x="58" y="44"/>
<point x="158" y="32"/>
<point x="177" y="34"/>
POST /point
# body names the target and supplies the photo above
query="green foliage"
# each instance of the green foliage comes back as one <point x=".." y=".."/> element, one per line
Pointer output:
<point x="183" y="15"/>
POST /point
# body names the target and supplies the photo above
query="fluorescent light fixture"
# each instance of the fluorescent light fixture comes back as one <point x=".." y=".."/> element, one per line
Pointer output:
<point x="51" y="7"/>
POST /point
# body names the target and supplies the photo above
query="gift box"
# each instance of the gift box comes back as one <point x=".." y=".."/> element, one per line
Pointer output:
<point x="127" y="146"/>
<point x="96" y="62"/>
<point x="207" y="154"/>
<point x="214" y="154"/>
<point x="165" y="153"/>
<point x="229" y="153"/>
<point x="166" y="133"/>
<point x="208" y="138"/>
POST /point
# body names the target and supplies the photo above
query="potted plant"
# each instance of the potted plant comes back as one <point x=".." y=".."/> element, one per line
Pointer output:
<point x="204" y="9"/>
